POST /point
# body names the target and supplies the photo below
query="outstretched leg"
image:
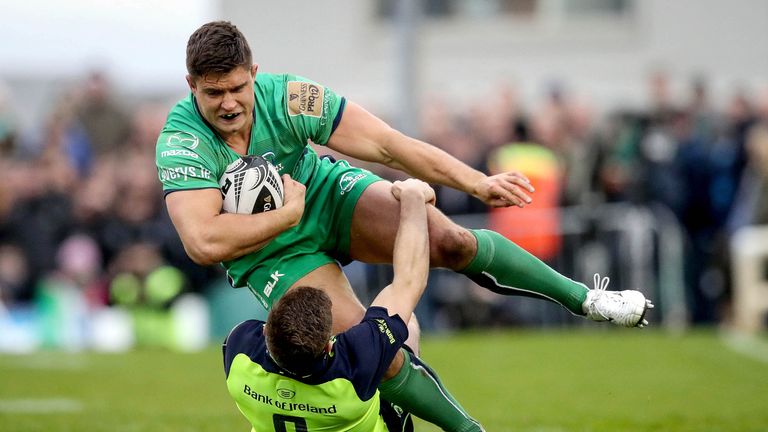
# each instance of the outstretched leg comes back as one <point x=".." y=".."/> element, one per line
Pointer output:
<point x="488" y="258"/>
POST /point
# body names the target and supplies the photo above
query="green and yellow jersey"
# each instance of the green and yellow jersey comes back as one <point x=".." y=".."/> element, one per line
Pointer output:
<point x="341" y="395"/>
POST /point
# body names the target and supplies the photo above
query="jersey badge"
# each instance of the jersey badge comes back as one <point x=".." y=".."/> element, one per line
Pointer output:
<point x="348" y="180"/>
<point x="305" y="99"/>
<point x="183" y="140"/>
<point x="285" y="389"/>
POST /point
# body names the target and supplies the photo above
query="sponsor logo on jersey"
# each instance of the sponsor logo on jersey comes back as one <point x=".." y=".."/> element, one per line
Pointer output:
<point x="305" y="99"/>
<point x="348" y="180"/>
<point x="270" y="285"/>
<point x="179" y="152"/>
<point x="286" y="393"/>
<point x="327" y="109"/>
<point x="270" y="157"/>
<point x="184" y="173"/>
<point x="384" y="328"/>
<point x="183" y="139"/>
<point x="287" y="406"/>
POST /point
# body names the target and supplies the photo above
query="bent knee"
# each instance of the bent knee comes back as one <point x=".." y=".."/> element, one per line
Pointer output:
<point x="414" y="334"/>
<point x="452" y="247"/>
<point x="346" y="318"/>
<point x="395" y="366"/>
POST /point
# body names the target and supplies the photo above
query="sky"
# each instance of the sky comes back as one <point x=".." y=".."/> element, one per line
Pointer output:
<point x="139" y="42"/>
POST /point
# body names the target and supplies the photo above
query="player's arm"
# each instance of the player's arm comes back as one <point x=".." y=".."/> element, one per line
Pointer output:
<point x="411" y="254"/>
<point x="210" y="237"/>
<point x="362" y="135"/>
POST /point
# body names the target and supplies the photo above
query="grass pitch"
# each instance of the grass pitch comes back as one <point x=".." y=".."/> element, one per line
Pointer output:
<point x="543" y="381"/>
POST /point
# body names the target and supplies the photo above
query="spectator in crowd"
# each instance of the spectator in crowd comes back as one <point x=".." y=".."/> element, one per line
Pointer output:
<point x="66" y="138"/>
<point x="105" y="122"/>
<point x="7" y="125"/>
<point x="14" y="274"/>
<point x="66" y="296"/>
<point x="143" y="283"/>
<point x="535" y="228"/>
<point x="752" y="203"/>
<point x="451" y="133"/>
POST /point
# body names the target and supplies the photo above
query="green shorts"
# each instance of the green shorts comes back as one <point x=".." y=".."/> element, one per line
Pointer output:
<point x="321" y="237"/>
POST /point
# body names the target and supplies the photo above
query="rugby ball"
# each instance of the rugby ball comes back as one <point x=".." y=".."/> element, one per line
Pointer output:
<point x="251" y="185"/>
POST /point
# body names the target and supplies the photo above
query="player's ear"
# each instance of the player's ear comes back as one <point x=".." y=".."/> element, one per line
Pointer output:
<point x="254" y="68"/>
<point x="191" y="83"/>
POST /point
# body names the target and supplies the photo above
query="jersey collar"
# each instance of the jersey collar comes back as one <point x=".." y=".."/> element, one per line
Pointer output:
<point x="317" y="368"/>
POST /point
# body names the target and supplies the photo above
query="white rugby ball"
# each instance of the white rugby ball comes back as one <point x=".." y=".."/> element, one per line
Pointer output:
<point x="251" y="185"/>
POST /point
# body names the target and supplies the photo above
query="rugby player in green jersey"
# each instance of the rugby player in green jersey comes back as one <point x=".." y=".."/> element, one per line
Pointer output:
<point x="290" y="371"/>
<point x="332" y="212"/>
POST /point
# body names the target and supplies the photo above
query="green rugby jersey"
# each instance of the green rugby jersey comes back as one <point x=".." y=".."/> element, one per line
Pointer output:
<point x="289" y="111"/>
<point x="341" y="395"/>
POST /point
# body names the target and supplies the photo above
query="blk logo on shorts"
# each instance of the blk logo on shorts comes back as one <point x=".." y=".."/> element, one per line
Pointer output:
<point x="271" y="283"/>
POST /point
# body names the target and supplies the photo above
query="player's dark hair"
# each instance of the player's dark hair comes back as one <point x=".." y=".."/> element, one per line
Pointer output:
<point x="217" y="47"/>
<point x="298" y="329"/>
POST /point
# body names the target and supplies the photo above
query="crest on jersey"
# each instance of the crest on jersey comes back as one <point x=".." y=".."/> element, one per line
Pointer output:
<point x="348" y="180"/>
<point x="270" y="157"/>
<point x="305" y="98"/>
<point x="183" y="139"/>
<point x="285" y="393"/>
<point x="285" y="389"/>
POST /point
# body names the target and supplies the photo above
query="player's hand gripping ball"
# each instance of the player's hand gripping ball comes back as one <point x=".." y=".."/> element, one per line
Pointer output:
<point x="251" y="185"/>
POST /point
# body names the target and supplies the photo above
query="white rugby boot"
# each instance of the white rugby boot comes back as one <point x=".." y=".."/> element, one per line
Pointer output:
<point x="623" y="308"/>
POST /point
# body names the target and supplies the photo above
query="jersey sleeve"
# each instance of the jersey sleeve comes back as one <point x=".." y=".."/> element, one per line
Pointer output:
<point x="180" y="163"/>
<point x="371" y="346"/>
<point x="313" y="110"/>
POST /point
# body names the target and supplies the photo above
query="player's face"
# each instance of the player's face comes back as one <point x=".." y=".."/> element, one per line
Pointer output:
<point x="226" y="99"/>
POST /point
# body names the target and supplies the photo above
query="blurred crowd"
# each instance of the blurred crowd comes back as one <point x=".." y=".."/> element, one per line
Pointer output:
<point x="706" y="163"/>
<point x="82" y="220"/>
<point x="83" y="225"/>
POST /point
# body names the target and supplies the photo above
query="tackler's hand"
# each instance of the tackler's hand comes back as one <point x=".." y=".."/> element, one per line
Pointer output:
<point x="414" y="186"/>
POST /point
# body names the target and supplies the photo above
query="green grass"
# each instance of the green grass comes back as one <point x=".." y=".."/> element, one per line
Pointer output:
<point x="610" y="380"/>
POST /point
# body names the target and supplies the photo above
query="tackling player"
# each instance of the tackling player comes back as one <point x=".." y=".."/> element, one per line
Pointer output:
<point x="332" y="212"/>
<point x="290" y="370"/>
